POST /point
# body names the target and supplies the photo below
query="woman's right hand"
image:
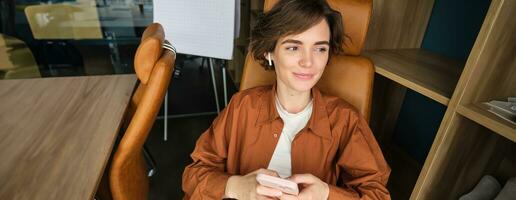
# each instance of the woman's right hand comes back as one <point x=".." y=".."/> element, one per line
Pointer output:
<point x="247" y="188"/>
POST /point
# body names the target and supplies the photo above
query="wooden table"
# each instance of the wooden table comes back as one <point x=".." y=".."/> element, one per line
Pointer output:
<point x="56" y="134"/>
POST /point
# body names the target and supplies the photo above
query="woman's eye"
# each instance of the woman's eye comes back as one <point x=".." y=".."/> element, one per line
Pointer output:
<point x="321" y="49"/>
<point x="291" y="48"/>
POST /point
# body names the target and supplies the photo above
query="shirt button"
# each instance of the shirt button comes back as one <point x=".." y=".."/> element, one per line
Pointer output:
<point x="275" y="135"/>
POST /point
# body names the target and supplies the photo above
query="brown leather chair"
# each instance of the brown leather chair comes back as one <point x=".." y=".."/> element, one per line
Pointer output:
<point x="153" y="65"/>
<point x="348" y="76"/>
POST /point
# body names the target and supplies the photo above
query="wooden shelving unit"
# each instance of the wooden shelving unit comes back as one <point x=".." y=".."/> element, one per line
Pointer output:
<point x="428" y="73"/>
<point x="479" y="113"/>
<point x="471" y="141"/>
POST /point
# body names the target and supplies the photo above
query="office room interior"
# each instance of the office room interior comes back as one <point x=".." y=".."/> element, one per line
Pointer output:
<point x="93" y="108"/>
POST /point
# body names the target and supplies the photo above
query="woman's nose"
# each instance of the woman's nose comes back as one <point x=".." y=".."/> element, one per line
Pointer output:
<point x="306" y="59"/>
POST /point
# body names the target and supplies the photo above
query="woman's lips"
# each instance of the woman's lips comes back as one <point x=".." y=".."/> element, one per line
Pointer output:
<point x="303" y="76"/>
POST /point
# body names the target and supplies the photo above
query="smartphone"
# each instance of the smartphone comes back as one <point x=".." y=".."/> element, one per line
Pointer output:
<point x="284" y="185"/>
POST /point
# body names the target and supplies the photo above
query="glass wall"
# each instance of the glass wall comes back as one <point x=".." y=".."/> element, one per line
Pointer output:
<point x="70" y="37"/>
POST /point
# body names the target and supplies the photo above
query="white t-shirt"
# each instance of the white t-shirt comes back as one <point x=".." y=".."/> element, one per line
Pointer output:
<point x="293" y="123"/>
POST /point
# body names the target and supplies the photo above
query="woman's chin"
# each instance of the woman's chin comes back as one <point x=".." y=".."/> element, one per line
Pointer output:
<point x="304" y="87"/>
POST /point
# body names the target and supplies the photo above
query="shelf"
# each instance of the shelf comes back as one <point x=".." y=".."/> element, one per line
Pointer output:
<point x="427" y="73"/>
<point x="479" y="113"/>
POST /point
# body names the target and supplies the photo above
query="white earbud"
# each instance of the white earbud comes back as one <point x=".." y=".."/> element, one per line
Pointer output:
<point x="269" y="59"/>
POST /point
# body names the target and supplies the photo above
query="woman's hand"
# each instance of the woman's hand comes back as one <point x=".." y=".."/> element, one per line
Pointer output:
<point x="312" y="187"/>
<point x="247" y="188"/>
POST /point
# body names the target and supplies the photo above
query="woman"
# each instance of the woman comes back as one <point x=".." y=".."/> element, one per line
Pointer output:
<point x="290" y="129"/>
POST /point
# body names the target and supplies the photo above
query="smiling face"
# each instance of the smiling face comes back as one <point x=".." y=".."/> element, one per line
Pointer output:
<point x="299" y="60"/>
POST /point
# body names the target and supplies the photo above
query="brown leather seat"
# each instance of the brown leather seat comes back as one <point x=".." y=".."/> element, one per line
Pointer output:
<point x="153" y="65"/>
<point x="348" y="76"/>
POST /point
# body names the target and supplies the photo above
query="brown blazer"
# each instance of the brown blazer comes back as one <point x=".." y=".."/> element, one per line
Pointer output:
<point x="336" y="145"/>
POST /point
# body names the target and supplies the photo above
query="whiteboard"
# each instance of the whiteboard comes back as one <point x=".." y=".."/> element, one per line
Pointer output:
<point x="198" y="27"/>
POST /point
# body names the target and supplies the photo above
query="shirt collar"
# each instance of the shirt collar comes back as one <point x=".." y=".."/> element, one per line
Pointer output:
<point x="267" y="112"/>
<point x="319" y="122"/>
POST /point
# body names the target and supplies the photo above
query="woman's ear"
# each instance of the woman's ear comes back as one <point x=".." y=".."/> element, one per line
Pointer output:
<point x="267" y="55"/>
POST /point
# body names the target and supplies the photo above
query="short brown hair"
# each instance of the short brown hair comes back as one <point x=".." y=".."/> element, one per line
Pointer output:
<point x="289" y="17"/>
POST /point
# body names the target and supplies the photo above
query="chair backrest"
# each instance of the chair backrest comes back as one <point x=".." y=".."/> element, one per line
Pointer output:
<point x="64" y="21"/>
<point x="153" y="65"/>
<point x="348" y="76"/>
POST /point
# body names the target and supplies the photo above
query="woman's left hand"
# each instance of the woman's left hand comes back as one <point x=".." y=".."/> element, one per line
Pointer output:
<point x="312" y="187"/>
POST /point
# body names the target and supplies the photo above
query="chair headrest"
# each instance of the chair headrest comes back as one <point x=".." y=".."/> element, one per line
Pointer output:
<point x="149" y="51"/>
<point x="355" y="18"/>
